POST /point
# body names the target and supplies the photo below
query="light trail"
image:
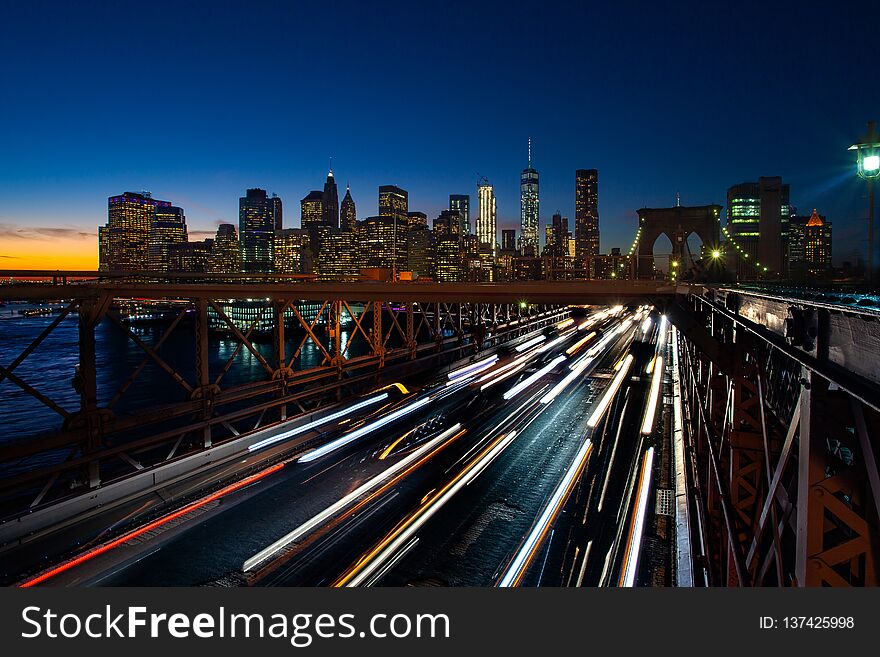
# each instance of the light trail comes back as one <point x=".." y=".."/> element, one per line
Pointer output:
<point x="631" y="558"/>
<point x="386" y="549"/>
<point x="473" y="368"/>
<point x="319" y="518"/>
<point x="316" y="423"/>
<point x="654" y="396"/>
<point x="530" y="343"/>
<point x="517" y="568"/>
<point x="573" y="349"/>
<point x="612" y="389"/>
<point x="347" y="438"/>
<point x="134" y="533"/>
<point x="525" y="383"/>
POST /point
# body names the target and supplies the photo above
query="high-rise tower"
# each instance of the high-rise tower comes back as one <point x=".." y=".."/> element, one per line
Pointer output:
<point x="348" y="212"/>
<point x="486" y="221"/>
<point x="462" y="203"/>
<point x="256" y="230"/>
<point x="586" y="213"/>
<point x="330" y="202"/>
<point x="528" y="207"/>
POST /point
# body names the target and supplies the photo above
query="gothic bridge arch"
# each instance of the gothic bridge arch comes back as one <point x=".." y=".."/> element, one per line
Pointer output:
<point x="677" y="223"/>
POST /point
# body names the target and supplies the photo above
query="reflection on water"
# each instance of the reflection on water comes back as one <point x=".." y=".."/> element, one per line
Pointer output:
<point x="51" y="367"/>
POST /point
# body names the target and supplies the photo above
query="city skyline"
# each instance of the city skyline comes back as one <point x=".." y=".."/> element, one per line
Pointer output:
<point x="627" y="122"/>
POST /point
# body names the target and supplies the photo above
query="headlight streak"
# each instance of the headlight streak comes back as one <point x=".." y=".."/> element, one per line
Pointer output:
<point x="316" y="423"/>
<point x="530" y="343"/>
<point x="347" y="438"/>
<point x="315" y="521"/>
<point x="406" y="529"/>
<point x="473" y="368"/>
<point x="573" y="349"/>
<point x="610" y="392"/>
<point x="646" y="324"/>
<point x="576" y="370"/>
<point x="515" y="571"/>
<point x="525" y="383"/>
<point x="654" y="396"/>
<point x="661" y="338"/>
<point x="631" y="558"/>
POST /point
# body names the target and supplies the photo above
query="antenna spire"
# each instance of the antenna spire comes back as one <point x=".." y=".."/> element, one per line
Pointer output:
<point x="330" y="173"/>
<point x="530" y="152"/>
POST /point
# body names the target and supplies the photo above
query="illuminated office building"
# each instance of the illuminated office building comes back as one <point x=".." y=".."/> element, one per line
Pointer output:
<point x="809" y="247"/>
<point x="291" y="244"/>
<point x="394" y="206"/>
<point x="277" y="212"/>
<point x="168" y="227"/>
<point x="448" y="258"/>
<point x="226" y="254"/>
<point x="415" y="220"/>
<point x="124" y="240"/>
<point x="336" y="255"/>
<point x="462" y="204"/>
<point x="375" y="240"/>
<point x="758" y="215"/>
<point x="586" y="213"/>
<point x="256" y="231"/>
<point x="508" y="240"/>
<point x="191" y="257"/>
<point x="330" y="202"/>
<point x="486" y="219"/>
<point x="348" y="212"/>
<point x="312" y="209"/>
<point x="448" y="223"/>
<point x="528" y="207"/>
<point x="420" y="251"/>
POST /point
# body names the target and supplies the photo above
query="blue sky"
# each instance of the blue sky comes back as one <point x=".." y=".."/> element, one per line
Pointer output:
<point x="198" y="101"/>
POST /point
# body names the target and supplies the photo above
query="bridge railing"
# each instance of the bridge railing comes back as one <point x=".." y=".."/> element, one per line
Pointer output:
<point x="783" y="414"/>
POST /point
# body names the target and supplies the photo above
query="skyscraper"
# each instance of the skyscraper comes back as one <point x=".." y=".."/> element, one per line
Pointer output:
<point x="312" y="209"/>
<point x="462" y="203"/>
<point x="291" y="251"/>
<point x="124" y="240"/>
<point x="394" y="206"/>
<point x="508" y="240"/>
<point x="277" y="212"/>
<point x="256" y="229"/>
<point x="330" y="202"/>
<point x="758" y="213"/>
<point x="586" y="213"/>
<point x="348" y="212"/>
<point x="168" y="227"/>
<point x="528" y="207"/>
<point x="486" y="221"/>
<point x="817" y="245"/>
<point x="226" y="255"/>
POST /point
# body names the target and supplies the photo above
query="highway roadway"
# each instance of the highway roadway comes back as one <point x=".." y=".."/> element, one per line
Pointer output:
<point x="526" y="467"/>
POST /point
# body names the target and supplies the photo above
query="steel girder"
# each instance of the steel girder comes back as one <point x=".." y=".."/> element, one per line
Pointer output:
<point x="785" y="456"/>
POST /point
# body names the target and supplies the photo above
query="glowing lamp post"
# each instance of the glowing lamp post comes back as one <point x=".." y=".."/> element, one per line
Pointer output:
<point x="868" y="160"/>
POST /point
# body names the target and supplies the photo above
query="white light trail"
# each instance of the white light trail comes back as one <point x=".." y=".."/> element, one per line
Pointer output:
<point x="523" y="556"/>
<point x="530" y="343"/>
<point x="631" y="565"/>
<point x="473" y="368"/>
<point x="363" y="431"/>
<point x="386" y="550"/>
<point x="576" y="370"/>
<point x="612" y="389"/>
<point x="525" y="383"/>
<point x="316" y="423"/>
<point x="319" y="518"/>
<point x="654" y="396"/>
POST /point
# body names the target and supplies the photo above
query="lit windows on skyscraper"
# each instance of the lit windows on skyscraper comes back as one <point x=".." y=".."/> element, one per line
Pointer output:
<point x="256" y="228"/>
<point x="586" y="213"/>
<point x="486" y="219"/>
<point x="462" y="204"/>
<point x="168" y="227"/>
<point x="529" y="213"/>
<point x="126" y="235"/>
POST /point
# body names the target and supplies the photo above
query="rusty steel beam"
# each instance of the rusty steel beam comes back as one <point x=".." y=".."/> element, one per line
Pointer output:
<point x="532" y="292"/>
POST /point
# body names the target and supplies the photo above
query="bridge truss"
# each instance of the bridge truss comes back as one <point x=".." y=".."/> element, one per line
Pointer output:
<point x="94" y="442"/>
<point x="782" y="444"/>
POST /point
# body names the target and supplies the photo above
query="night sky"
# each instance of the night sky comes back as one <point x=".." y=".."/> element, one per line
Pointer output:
<point x="198" y="101"/>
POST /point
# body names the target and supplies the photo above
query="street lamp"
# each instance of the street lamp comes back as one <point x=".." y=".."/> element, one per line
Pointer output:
<point x="716" y="253"/>
<point x="868" y="159"/>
